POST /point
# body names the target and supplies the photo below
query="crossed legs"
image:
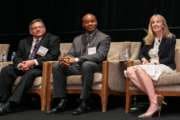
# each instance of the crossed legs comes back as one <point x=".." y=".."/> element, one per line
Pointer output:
<point x="142" y="81"/>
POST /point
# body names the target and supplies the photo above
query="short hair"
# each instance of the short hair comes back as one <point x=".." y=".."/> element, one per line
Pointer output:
<point x="91" y="14"/>
<point x="36" y="20"/>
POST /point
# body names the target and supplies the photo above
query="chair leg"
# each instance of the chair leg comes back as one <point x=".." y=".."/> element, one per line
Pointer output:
<point x="43" y="103"/>
<point x="128" y="102"/>
<point x="48" y="100"/>
<point x="104" y="101"/>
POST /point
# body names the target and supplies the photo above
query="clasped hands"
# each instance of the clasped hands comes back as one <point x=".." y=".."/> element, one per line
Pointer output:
<point x="67" y="60"/>
<point x="26" y="65"/>
<point x="152" y="61"/>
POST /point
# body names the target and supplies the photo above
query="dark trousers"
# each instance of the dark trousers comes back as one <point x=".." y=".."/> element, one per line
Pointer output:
<point x="86" y="69"/>
<point x="8" y="76"/>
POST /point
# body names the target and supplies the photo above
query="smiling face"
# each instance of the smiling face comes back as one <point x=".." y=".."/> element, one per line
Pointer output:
<point x="89" y="22"/>
<point x="37" y="29"/>
<point x="157" y="24"/>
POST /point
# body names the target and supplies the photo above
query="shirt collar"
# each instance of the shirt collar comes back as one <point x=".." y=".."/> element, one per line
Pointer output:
<point x="92" y="34"/>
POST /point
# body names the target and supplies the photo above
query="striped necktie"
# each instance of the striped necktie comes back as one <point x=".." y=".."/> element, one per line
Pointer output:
<point x="35" y="49"/>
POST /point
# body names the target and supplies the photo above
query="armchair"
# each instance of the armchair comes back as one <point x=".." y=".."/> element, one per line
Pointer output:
<point x="39" y="85"/>
<point x="168" y="84"/>
<point x="109" y="81"/>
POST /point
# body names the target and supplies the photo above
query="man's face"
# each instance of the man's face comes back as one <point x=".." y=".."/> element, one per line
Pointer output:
<point x="37" y="29"/>
<point x="89" y="23"/>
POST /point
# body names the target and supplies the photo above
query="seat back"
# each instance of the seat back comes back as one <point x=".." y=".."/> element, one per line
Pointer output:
<point x="115" y="69"/>
<point x="117" y="48"/>
<point x="177" y="55"/>
<point x="4" y="49"/>
<point x="64" y="48"/>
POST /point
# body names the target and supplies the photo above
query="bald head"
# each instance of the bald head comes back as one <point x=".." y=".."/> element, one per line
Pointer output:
<point x="89" y="22"/>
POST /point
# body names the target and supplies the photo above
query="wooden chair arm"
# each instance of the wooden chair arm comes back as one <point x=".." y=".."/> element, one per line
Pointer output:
<point x="4" y="64"/>
<point x="105" y="75"/>
<point x="46" y="77"/>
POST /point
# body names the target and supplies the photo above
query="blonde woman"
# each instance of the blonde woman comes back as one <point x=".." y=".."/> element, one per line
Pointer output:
<point x="157" y="57"/>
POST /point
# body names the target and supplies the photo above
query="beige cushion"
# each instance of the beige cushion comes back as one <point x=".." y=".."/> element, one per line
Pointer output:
<point x="116" y="78"/>
<point x="134" y="50"/>
<point x="64" y="48"/>
<point x="76" y="79"/>
<point x="37" y="82"/>
<point x="117" y="49"/>
<point x="177" y="55"/>
<point x="4" y="48"/>
<point x="177" y="59"/>
<point x="177" y="44"/>
<point x="169" y="79"/>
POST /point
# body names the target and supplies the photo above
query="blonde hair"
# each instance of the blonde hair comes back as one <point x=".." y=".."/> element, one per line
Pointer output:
<point x="149" y="38"/>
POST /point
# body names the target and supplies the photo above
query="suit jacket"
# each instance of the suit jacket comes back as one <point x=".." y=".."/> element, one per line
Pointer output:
<point x="166" y="51"/>
<point x="100" y="41"/>
<point x="49" y="41"/>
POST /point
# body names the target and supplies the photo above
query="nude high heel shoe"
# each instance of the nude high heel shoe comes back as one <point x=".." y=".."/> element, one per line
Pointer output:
<point x="150" y="114"/>
<point x="160" y="102"/>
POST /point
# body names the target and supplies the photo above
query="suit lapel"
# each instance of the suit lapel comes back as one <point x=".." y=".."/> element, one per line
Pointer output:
<point x="28" y="46"/>
<point x="162" y="46"/>
<point x="84" y="42"/>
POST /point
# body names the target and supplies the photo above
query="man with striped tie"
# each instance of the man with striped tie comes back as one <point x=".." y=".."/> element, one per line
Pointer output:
<point x="31" y="53"/>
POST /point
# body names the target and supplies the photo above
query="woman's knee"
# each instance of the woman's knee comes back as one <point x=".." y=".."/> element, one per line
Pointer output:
<point x="130" y="70"/>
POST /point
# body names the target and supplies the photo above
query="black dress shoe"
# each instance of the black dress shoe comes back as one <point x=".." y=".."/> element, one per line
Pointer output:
<point x="83" y="108"/>
<point x="59" y="108"/>
<point x="5" y="108"/>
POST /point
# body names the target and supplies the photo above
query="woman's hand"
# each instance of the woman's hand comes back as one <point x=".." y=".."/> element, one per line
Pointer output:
<point x="144" y="61"/>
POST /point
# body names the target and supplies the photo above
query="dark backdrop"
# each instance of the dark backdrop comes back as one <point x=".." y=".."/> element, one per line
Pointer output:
<point x="122" y="19"/>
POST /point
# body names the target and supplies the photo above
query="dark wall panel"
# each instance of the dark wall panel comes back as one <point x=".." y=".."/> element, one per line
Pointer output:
<point x="123" y="19"/>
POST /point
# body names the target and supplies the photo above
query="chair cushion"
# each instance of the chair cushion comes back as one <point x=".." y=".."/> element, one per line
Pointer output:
<point x="36" y="84"/>
<point x="169" y="79"/>
<point x="76" y="79"/>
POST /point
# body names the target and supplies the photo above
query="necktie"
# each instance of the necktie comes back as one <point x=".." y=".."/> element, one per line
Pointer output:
<point x="35" y="49"/>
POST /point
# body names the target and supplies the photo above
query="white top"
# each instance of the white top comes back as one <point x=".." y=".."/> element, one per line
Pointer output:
<point x="153" y="69"/>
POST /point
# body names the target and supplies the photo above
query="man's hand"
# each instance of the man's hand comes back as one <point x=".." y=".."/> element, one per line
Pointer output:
<point x="67" y="60"/>
<point x="26" y="65"/>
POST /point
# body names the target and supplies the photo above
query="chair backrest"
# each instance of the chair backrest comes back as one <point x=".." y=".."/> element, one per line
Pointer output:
<point x="117" y="48"/>
<point x="64" y="48"/>
<point x="4" y="49"/>
<point x="177" y="55"/>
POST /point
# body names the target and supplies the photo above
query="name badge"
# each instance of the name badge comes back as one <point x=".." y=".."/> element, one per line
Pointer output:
<point x="91" y="50"/>
<point x="42" y="51"/>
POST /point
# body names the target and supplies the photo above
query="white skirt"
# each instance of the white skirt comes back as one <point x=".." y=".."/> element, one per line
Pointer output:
<point x="155" y="70"/>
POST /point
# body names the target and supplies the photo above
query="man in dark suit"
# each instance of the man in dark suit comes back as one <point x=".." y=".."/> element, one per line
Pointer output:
<point x="85" y="57"/>
<point x="31" y="53"/>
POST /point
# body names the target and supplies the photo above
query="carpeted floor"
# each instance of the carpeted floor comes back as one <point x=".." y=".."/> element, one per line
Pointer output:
<point x="115" y="111"/>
